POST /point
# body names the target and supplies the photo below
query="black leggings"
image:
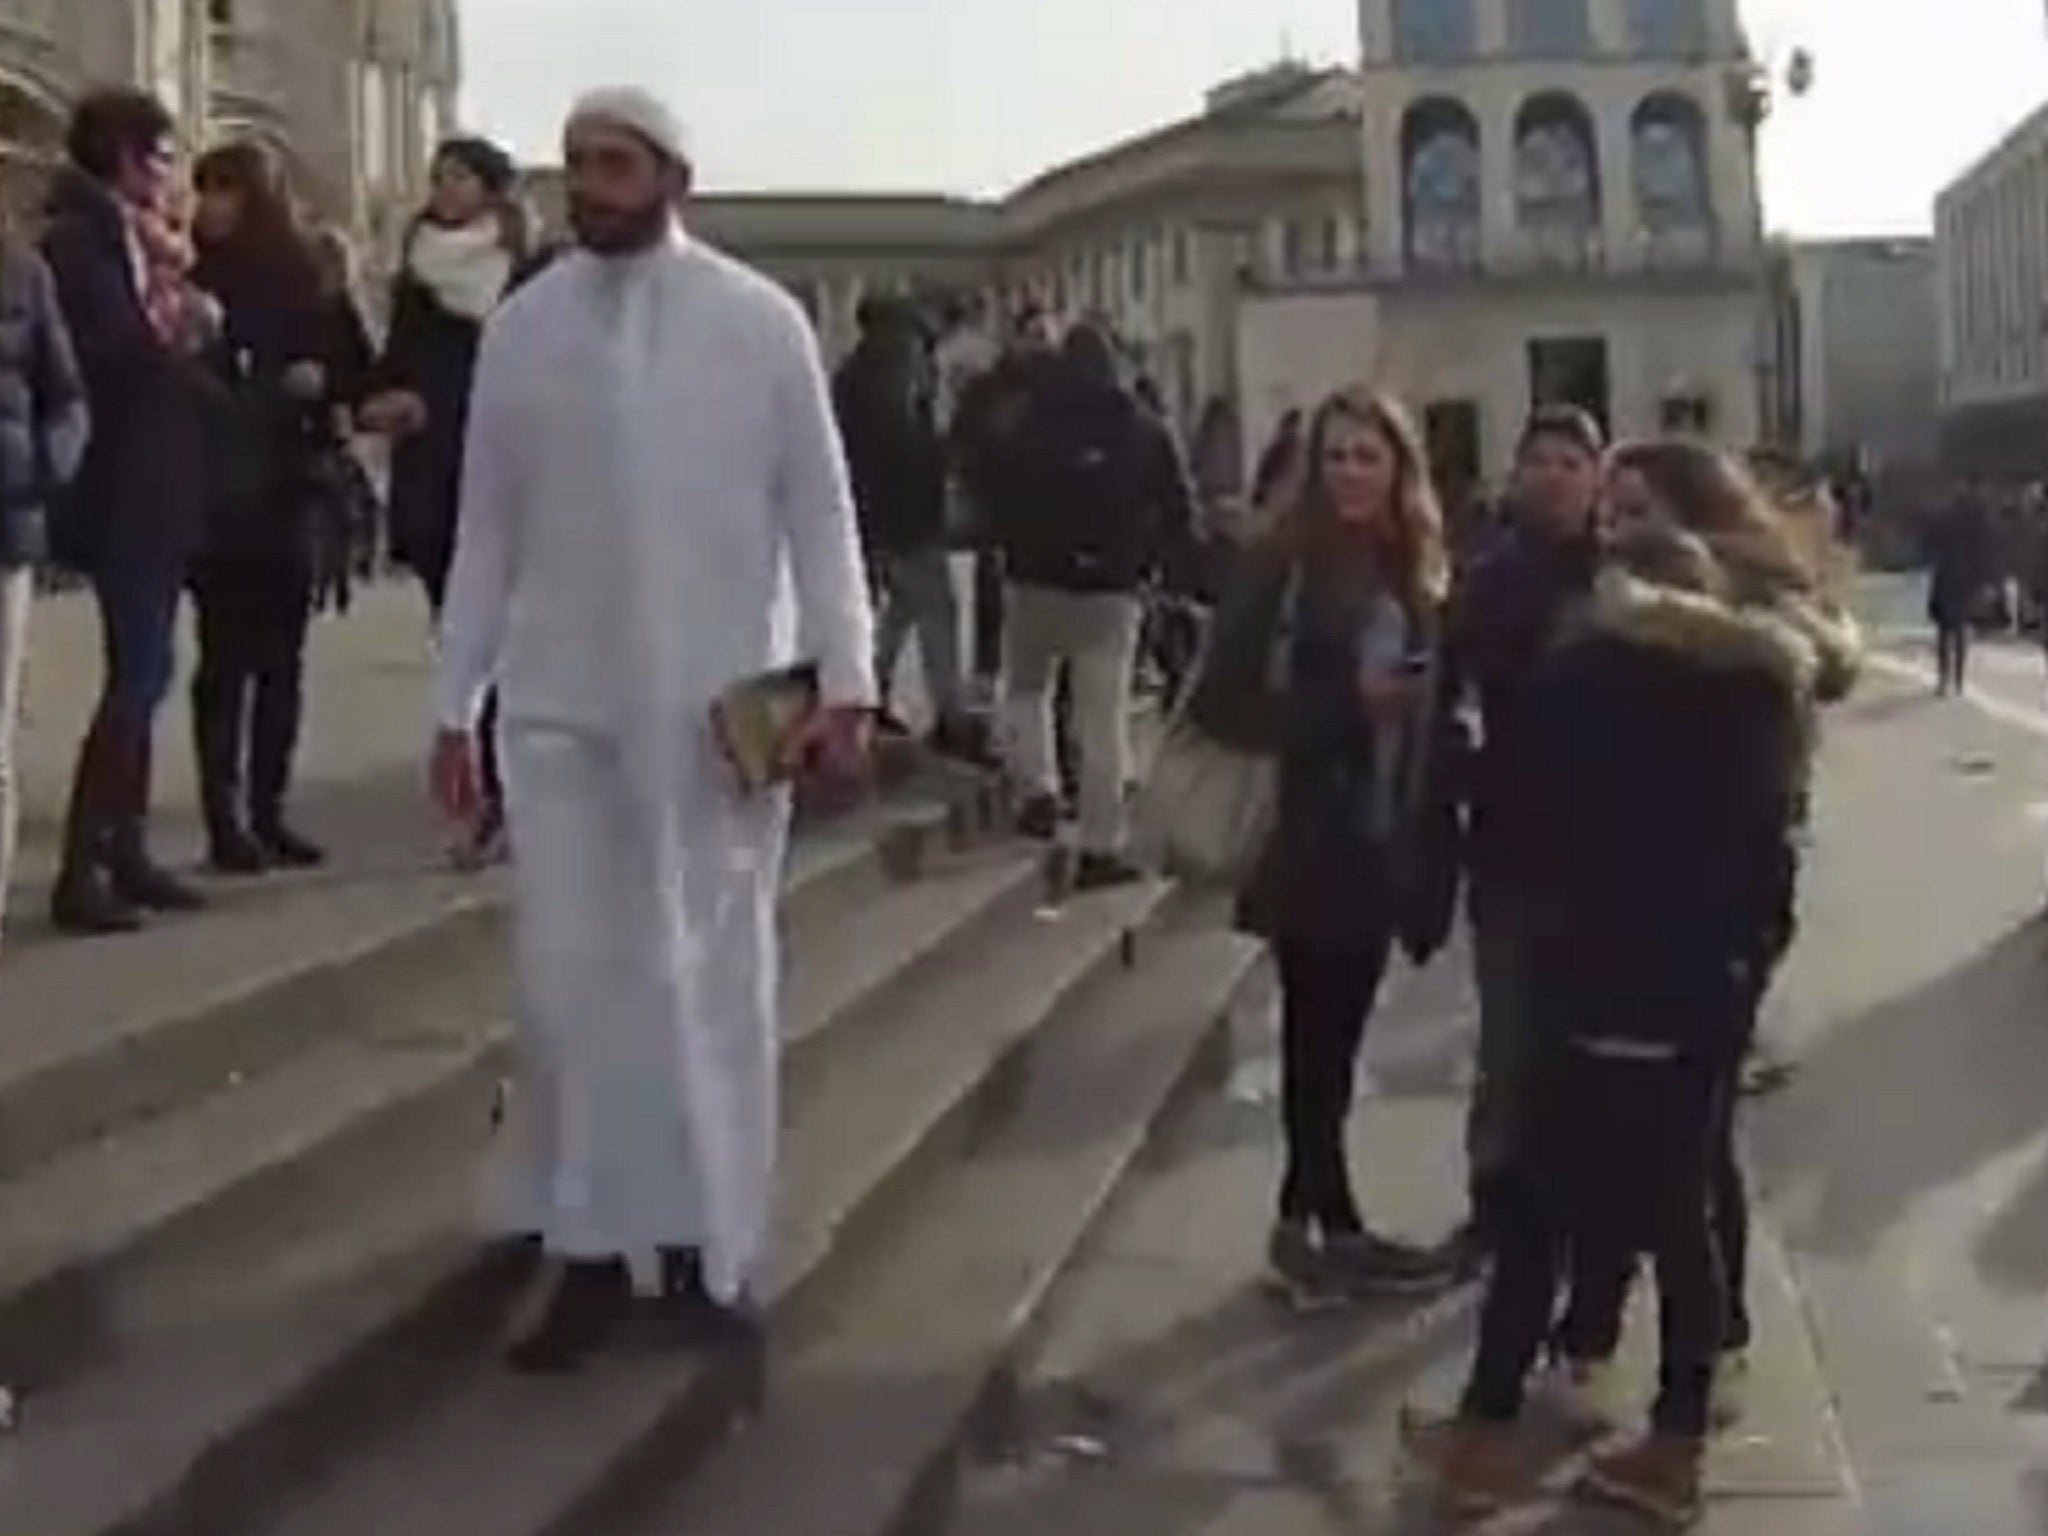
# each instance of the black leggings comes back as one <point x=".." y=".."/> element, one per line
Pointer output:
<point x="248" y="695"/>
<point x="1952" y="655"/>
<point x="1621" y="1158"/>
<point x="1326" y="997"/>
<point x="1602" y="1278"/>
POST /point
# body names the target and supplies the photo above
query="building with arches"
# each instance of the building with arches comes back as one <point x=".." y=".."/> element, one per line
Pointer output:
<point x="1560" y="204"/>
<point x="352" y="94"/>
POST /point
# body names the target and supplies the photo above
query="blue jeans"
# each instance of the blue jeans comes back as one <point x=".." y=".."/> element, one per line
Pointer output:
<point x="138" y="602"/>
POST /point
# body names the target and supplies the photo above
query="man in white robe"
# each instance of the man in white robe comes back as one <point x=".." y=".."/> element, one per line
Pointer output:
<point x="655" y="507"/>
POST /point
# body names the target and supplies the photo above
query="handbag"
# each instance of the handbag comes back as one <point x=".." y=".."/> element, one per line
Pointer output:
<point x="1206" y="812"/>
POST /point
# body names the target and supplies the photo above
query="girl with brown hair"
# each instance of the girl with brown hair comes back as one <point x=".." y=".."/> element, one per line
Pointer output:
<point x="1669" y="731"/>
<point x="1324" y="656"/>
<point x="253" y="580"/>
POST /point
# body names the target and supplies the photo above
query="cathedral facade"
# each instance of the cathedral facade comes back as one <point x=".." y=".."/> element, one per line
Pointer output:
<point x="351" y="93"/>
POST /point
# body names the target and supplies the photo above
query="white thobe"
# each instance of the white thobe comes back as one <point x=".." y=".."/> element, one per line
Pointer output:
<point x="653" y="491"/>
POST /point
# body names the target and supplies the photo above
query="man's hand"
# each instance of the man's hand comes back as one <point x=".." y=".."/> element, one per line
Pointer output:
<point x="832" y="746"/>
<point x="457" y="786"/>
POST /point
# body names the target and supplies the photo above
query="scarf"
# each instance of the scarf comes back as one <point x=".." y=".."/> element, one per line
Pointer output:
<point x="466" y="269"/>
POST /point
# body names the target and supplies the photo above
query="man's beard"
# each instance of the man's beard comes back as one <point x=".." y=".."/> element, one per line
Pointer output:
<point x="619" y="231"/>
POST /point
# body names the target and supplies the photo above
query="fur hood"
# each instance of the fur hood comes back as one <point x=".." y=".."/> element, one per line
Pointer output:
<point x="1760" y="580"/>
<point x="1704" y="631"/>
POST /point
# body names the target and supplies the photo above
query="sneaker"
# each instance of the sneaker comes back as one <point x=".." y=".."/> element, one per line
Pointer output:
<point x="1366" y="1264"/>
<point x="1657" y="1477"/>
<point x="1730" y="1403"/>
<point x="1476" y="1469"/>
<point x="1039" y="818"/>
<point x="1588" y="1395"/>
<point x="1297" y="1270"/>
<point x="1105" y="872"/>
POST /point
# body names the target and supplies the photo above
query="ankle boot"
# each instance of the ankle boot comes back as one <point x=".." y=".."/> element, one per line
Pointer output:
<point x="591" y="1299"/>
<point x="85" y="900"/>
<point x="136" y="875"/>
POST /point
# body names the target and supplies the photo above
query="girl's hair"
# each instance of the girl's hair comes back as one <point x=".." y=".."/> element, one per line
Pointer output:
<point x="267" y="245"/>
<point x="1411" y="550"/>
<point x="1715" y="498"/>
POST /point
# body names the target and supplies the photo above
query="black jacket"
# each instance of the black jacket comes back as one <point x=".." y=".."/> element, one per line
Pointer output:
<point x="432" y="352"/>
<point x="1665" y="745"/>
<point x="987" y="442"/>
<point x="1103" y="499"/>
<point x="1506" y="612"/>
<point x="263" y="441"/>
<point x="43" y="416"/>
<point x="140" y="492"/>
<point x="893" y="452"/>
<point x="1280" y="679"/>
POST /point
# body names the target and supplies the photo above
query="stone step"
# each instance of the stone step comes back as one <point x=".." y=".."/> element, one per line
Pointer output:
<point x="869" y="1418"/>
<point x="87" y="1051"/>
<point x="129" y="1271"/>
<point x="490" y="1452"/>
<point x="1170" y="1390"/>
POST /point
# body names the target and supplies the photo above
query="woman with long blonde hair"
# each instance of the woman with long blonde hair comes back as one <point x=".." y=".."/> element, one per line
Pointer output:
<point x="1324" y="656"/>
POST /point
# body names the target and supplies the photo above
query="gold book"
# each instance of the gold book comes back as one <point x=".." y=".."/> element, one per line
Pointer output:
<point x="758" y="717"/>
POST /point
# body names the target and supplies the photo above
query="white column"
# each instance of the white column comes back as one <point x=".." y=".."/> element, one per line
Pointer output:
<point x="1620" y="225"/>
<point x="1608" y="22"/>
<point x="1383" y="176"/>
<point x="1499" y="231"/>
<point x="1731" y="162"/>
<point x="1492" y="27"/>
<point x="1376" y="31"/>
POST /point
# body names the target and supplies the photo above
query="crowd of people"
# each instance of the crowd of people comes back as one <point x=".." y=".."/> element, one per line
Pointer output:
<point x="184" y="377"/>
<point x="1601" y="724"/>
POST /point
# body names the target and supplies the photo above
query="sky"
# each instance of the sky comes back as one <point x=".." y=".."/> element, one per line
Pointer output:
<point x="977" y="96"/>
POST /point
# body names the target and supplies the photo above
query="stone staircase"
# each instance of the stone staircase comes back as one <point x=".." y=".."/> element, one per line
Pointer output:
<point x="242" y="1290"/>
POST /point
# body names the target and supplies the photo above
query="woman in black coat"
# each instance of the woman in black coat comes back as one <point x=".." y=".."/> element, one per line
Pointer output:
<point x="1324" y="655"/>
<point x="253" y="581"/>
<point x="133" y="517"/>
<point x="1668" y="736"/>
<point x="467" y="250"/>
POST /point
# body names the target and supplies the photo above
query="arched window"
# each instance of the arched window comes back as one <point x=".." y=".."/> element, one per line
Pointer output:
<point x="1674" y="196"/>
<point x="1440" y="184"/>
<point x="1435" y="31"/>
<point x="1668" y="28"/>
<point x="1550" y="29"/>
<point x="1557" y="178"/>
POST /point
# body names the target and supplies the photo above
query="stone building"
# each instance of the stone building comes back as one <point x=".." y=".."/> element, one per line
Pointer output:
<point x="1561" y="205"/>
<point x="352" y="93"/>
<point x="1991" y="279"/>
<point x="1853" y="378"/>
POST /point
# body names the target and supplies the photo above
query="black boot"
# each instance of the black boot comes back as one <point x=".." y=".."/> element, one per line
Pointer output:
<point x="136" y="875"/>
<point x="590" y="1301"/>
<point x="273" y="742"/>
<point x="216" y="741"/>
<point x="85" y="901"/>
<point x="692" y="1318"/>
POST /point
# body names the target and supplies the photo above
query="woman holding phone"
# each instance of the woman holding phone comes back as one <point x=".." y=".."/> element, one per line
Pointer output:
<point x="1324" y="654"/>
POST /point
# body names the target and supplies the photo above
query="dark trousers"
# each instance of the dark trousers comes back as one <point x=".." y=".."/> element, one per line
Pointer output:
<point x="1601" y="1279"/>
<point x="1620" y="1164"/>
<point x="435" y="580"/>
<point x="248" y="696"/>
<point x="1952" y="655"/>
<point x="988" y="615"/>
<point x="137" y="597"/>
<point x="1326" y="997"/>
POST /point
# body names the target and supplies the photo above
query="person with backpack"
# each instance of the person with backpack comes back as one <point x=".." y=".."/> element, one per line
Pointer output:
<point x="1102" y="495"/>
<point x="883" y="397"/>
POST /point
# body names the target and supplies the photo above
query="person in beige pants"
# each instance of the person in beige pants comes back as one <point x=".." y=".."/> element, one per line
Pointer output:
<point x="1103" y="499"/>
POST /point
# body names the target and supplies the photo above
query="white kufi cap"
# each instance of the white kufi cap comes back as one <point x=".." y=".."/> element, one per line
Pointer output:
<point x="637" y="111"/>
